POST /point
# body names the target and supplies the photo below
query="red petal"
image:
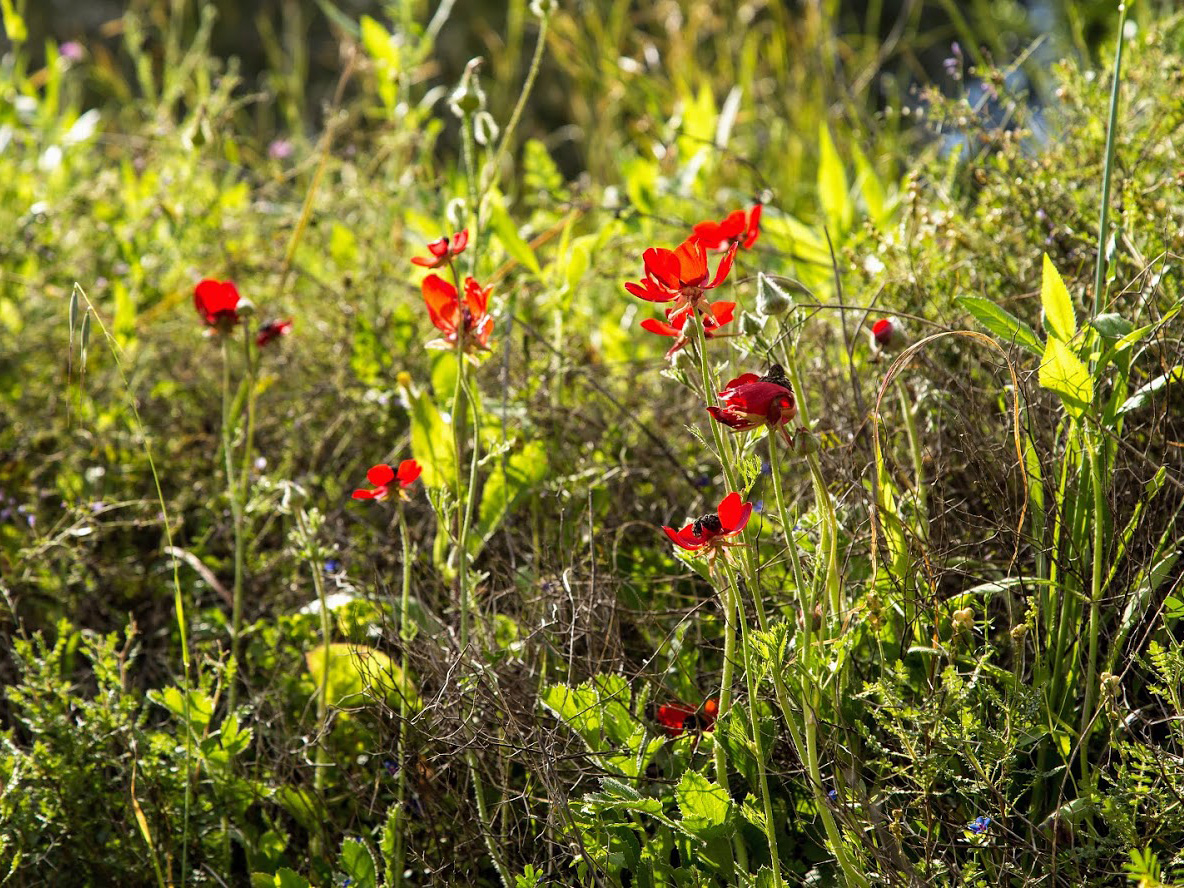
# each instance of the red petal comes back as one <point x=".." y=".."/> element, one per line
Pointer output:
<point x="409" y="471"/>
<point x="425" y="263"/>
<point x="459" y="241"/>
<point x="380" y="474"/>
<point x="662" y="264"/>
<point x="363" y="494"/>
<point x="653" y="325"/>
<point x="742" y="379"/>
<point x="440" y="298"/>
<point x="649" y="291"/>
<point x="754" y="226"/>
<point x="732" y="419"/>
<point x="211" y="298"/>
<point x="439" y="248"/>
<point x="725" y="265"/>
<point x="692" y="262"/>
<point x="720" y="313"/>
<point x="475" y="298"/>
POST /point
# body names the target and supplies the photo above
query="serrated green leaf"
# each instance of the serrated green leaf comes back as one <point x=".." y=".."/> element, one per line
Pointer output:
<point x="1059" y="318"/>
<point x="1002" y="323"/>
<point x="705" y="806"/>
<point x="431" y="440"/>
<point x="506" y="485"/>
<point x="1063" y="372"/>
<point x="359" y="674"/>
<point x="358" y="863"/>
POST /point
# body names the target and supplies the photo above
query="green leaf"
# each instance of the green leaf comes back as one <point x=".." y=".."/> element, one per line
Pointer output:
<point x="1002" y="323"/>
<point x="285" y="878"/>
<point x="833" y="191"/>
<point x="870" y="187"/>
<point x="1143" y="394"/>
<point x="507" y="233"/>
<point x="431" y="440"/>
<point x="358" y="863"/>
<point x="522" y="472"/>
<point x="705" y="806"/>
<point x="359" y="674"/>
<point x="1059" y="318"/>
<point x="1112" y="326"/>
<point x="14" y="25"/>
<point x="1063" y="372"/>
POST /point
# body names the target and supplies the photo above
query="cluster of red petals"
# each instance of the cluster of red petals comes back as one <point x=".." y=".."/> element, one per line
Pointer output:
<point x="886" y="333"/>
<point x="750" y="401"/>
<point x="711" y="531"/>
<point x="737" y="227"/>
<point x="443" y="250"/>
<point x="714" y="316"/>
<point x="453" y="316"/>
<point x="272" y="330"/>
<point x="680" y="275"/>
<point x="218" y="303"/>
<point x="675" y="718"/>
<point x="382" y="477"/>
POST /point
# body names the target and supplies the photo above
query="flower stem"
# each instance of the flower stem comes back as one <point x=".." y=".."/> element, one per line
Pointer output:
<point x="405" y="641"/>
<point x="236" y="511"/>
<point x="729" y="600"/>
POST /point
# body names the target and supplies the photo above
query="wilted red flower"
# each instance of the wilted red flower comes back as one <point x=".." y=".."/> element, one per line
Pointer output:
<point x="680" y="276"/>
<point x="751" y="401"/>
<point x="443" y="250"/>
<point x="714" y="316"/>
<point x="709" y="531"/>
<point x="736" y="227"/>
<point x="451" y="316"/>
<point x="675" y="718"/>
<point x="272" y="331"/>
<point x="887" y="334"/>
<point x="218" y="304"/>
<point x="383" y="476"/>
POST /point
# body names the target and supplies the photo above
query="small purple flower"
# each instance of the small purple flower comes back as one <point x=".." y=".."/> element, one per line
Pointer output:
<point x="758" y="506"/>
<point x="833" y="795"/>
<point x="766" y="467"/>
<point x="279" y="149"/>
<point x="332" y="566"/>
<point x="391" y="767"/>
<point x="72" y="51"/>
<point x="980" y="825"/>
<point x="702" y="481"/>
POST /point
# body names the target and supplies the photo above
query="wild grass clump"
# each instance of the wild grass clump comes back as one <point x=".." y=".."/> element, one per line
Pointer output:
<point x="300" y="603"/>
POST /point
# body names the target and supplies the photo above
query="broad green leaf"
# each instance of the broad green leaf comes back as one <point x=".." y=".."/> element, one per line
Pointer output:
<point x="383" y="48"/>
<point x="286" y="878"/>
<point x="1063" y="372"/>
<point x="431" y="439"/>
<point x="1059" y="318"/>
<point x="359" y="674"/>
<point x="833" y="191"/>
<point x="1002" y="323"/>
<point x="522" y="472"/>
<point x="358" y="863"/>
<point x="1112" y="326"/>
<point x="705" y="806"/>
<point x="507" y="234"/>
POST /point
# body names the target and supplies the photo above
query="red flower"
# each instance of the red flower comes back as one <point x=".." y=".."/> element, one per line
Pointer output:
<point x="709" y="531"/>
<point x="272" y="331"/>
<point x="675" y="718"/>
<point x="751" y="401"/>
<point x="451" y="316"/>
<point x="680" y="275"/>
<point x="887" y="334"/>
<point x="735" y="227"/>
<point x="443" y="250"/>
<point x="218" y="304"/>
<point x="382" y="476"/>
<point x="714" y="316"/>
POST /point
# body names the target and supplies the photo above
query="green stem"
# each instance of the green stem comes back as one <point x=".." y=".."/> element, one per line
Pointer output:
<point x="494" y="169"/>
<point x="405" y="641"/>
<point x="1095" y="601"/>
<point x="762" y="778"/>
<point x="730" y="602"/>
<point x="236" y="511"/>
<point x="321" y="758"/>
<point x="919" y="486"/>
<point x="1108" y="166"/>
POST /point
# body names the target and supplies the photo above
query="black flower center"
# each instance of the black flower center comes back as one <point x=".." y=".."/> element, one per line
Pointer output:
<point x="777" y="375"/>
<point x="708" y="523"/>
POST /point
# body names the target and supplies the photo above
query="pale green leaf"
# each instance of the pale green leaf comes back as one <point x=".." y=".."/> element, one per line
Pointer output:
<point x="507" y="234"/>
<point x="358" y="864"/>
<point x="1063" y="372"/>
<point x="833" y="191"/>
<point x="1059" y="318"/>
<point x="358" y="675"/>
<point x="431" y="440"/>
